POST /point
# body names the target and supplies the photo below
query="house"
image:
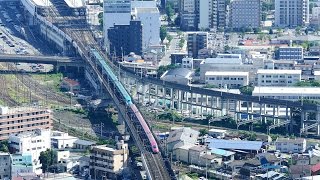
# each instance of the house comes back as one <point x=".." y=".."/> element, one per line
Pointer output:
<point x="217" y="133"/>
<point x="182" y="136"/>
<point x="61" y="140"/>
<point x="252" y="147"/>
<point x="178" y="75"/>
<point x="286" y="145"/>
<point x="70" y="85"/>
<point x="224" y="154"/>
<point x="299" y="171"/>
<point x="315" y="169"/>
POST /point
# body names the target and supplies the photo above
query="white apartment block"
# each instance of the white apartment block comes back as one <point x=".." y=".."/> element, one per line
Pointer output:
<point x="285" y="145"/>
<point x="32" y="143"/>
<point x="228" y="79"/>
<point x="24" y="164"/>
<point x="107" y="161"/>
<point x="315" y="17"/>
<point x="291" y="13"/>
<point x="61" y="140"/>
<point x="245" y="13"/>
<point x="273" y="77"/>
<point x="150" y="20"/>
<point x="206" y="10"/>
<point x="5" y="166"/>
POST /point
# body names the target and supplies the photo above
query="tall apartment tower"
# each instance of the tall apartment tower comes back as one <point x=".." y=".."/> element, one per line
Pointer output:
<point x="202" y="14"/>
<point x="245" y="14"/>
<point x="291" y="13"/>
<point x="197" y="41"/>
<point x="115" y="12"/>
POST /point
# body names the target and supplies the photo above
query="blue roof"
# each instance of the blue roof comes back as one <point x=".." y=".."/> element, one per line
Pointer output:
<point x="234" y="144"/>
<point x="221" y="152"/>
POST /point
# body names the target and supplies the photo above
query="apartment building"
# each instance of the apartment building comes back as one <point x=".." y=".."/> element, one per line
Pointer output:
<point x="274" y="77"/>
<point x="227" y="79"/>
<point x="23" y="164"/>
<point x="195" y="42"/>
<point x="189" y="15"/>
<point x="291" y="13"/>
<point x="289" y="53"/>
<point x="286" y="145"/>
<point x="5" y="166"/>
<point x="23" y="119"/>
<point x="31" y="143"/>
<point x="245" y="14"/>
<point x="107" y="162"/>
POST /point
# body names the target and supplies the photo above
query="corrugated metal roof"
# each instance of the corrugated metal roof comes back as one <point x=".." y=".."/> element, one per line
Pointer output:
<point x="234" y="144"/>
<point x="221" y="152"/>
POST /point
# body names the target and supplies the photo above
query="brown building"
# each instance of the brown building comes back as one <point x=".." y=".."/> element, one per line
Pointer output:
<point x="23" y="119"/>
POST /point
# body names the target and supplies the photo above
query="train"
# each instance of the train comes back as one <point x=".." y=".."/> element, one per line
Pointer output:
<point x="127" y="100"/>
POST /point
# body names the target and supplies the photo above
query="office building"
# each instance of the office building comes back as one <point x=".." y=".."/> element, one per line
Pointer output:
<point x="289" y="53"/>
<point x="195" y="42"/>
<point x="31" y="144"/>
<point x="122" y="12"/>
<point x="274" y="77"/>
<point x="230" y="80"/>
<point x="126" y="38"/>
<point x="245" y="14"/>
<point x="23" y="119"/>
<point x="291" y="13"/>
<point x="5" y="166"/>
<point x="108" y="162"/>
<point x="286" y="145"/>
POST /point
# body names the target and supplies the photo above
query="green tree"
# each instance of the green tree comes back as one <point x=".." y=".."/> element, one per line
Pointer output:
<point x="181" y="42"/>
<point x="252" y="137"/>
<point x="226" y="48"/>
<point x="47" y="158"/>
<point x="270" y="31"/>
<point x="4" y="146"/>
<point x="169" y="10"/>
<point x="169" y="38"/>
<point x="256" y="30"/>
<point x="203" y="132"/>
<point x="179" y="33"/>
<point x="247" y="90"/>
<point x="163" y="33"/>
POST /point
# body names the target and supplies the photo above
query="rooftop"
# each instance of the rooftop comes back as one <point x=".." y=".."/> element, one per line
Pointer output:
<point x="295" y="91"/>
<point x="218" y="130"/>
<point x="297" y="140"/>
<point x="183" y="134"/>
<point x="226" y="73"/>
<point x="278" y="71"/>
<point x="199" y="148"/>
<point x="20" y="109"/>
<point x="222" y="152"/>
<point x="147" y="10"/>
<point x="42" y="2"/>
<point x="234" y="144"/>
<point x="180" y="72"/>
<point x="316" y="73"/>
<point x="75" y="3"/>
<point x="84" y="142"/>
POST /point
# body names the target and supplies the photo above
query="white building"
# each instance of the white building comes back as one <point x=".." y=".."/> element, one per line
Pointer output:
<point x="217" y="133"/>
<point x="286" y="145"/>
<point x="32" y="143"/>
<point x="150" y="20"/>
<point x="245" y="13"/>
<point x="61" y="140"/>
<point x="5" y="166"/>
<point x="315" y="17"/>
<point x="288" y="93"/>
<point x="273" y="77"/>
<point x="121" y="12"/>
<point x="316" y="75"/>
<point x="228" y="79"/>
<point x="178" y="75"/>
<point x="206" y="14"/>
<point x="291" y="13"/>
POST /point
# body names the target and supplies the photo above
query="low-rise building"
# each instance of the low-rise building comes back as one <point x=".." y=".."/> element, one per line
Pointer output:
<point x="289" y="53"/>
<point x="178" y="75"/>
<point x="24" y="164"/>
<point x="182" y="136"/>
<point x="272" y="77"/>
<point x="70" y="85"/>
<point x="288" y="93"/>
<point x="286" y="145"/>
<point x="108" y="162"/>
<point x="23" y="119"/>
<point x="61" y="140"/>
<point x="230" y="80"/>
<point x="316" y="75"/>
<point x="31" y="143"/>
<point x="5" y="166"/>
<point x="217" y="133"/>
